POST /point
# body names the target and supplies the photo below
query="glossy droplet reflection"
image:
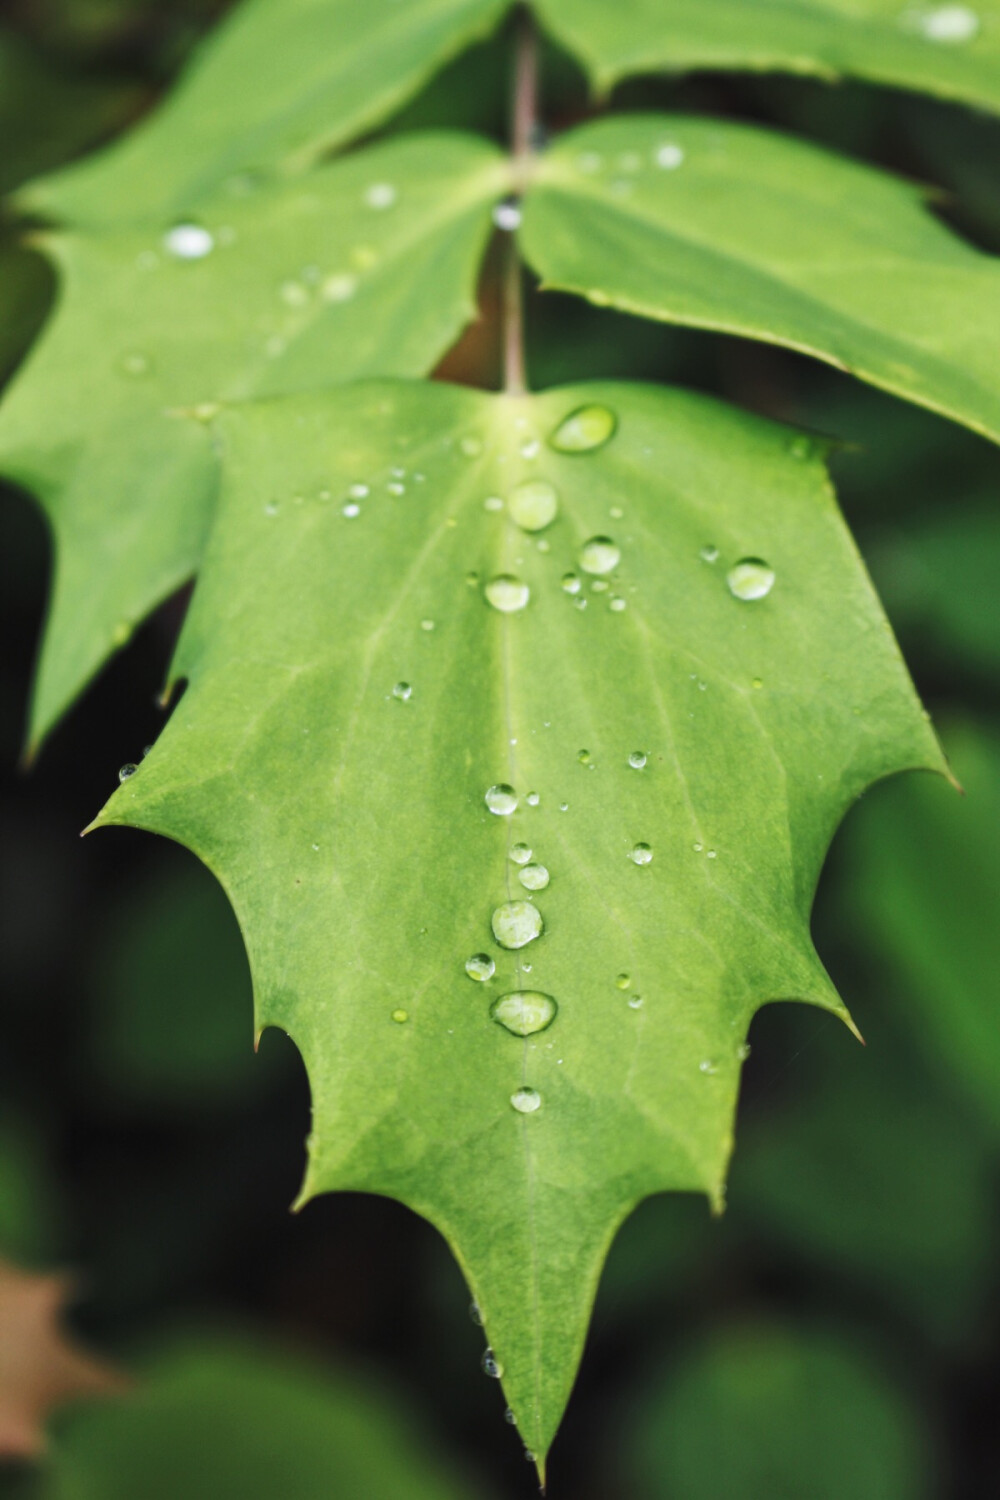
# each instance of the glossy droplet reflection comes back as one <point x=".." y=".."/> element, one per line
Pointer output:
<point x="501" y="799"/>
<point x="640" y="854"/>
<point x="188" y="242"/>
<point x="507" y="593"/>
<point x="491" y="1365"/>
<point x="599" y="555"/>
<point x="943" y="23"/>
<point x="127" y="770"/>
<point x="480" y="967"/>
<point x="637" y="760"/>
<point x="516" y="923"/>
<point x="403" y="691"/>
<point x="524" y="1012"/>
<point x="526" y="1100"/>
<point x="533" y="504"/>
<point x="585" y="429"/>
<point x="751" y="578"/>
<point x="533" y="877"/>
<point x="520" y="854"/>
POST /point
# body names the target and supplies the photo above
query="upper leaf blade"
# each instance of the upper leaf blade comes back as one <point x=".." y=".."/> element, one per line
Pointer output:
<point x="300" y="285"/>
<point x="330" y="763"/>
<point x="949" y="50"/>
<point x="749" y="232"/>
<point x="279" y="83"/>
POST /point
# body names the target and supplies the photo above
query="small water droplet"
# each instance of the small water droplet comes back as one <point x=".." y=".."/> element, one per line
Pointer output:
<point x="403" y="691"/>
<point x="708" y="1065"/>
<point x="526" y="1100"/>
<point x="743" y="1051"/>
<point x="531" y="448"/>
<point x="583" y="756"/>
<point x="571" y="583"/>
<point x="529" y="1455"/>
<point x="710" y="854"/>
<point x="524" y="1012"/>
<point x="579" y="604"/>
<point x="380" y="195"/>
<point x="427" y="625"/>
<point x="359" y="491"/>
<point x="599" y="555"/>
<point x="509" y="1416"/>
<point x="635" y="1002"/>
<point x="507" y="215"/>
<point x="616" y="604"/>
<point x="697" y="848"/>
<point x="339" y="287"/>
<point x="395" y="488"/>
<point x="516" y="924"/>
<point x="623" y="981"/>
<point x="534" y="877"/>
<point x="507" y="593"/>
<point x="532" y="799"/>
<point x="533" y="504"/>
<point x="493" y="502"/>
<point x="189" y="242"/>
<point x="640" y="854"/>
<point x="501" y="799"/>
<point x="751" y="578"/>
<point x="709" y="554"/>
<point x="127" y="770"/>
<point x="600" y="586"/>
<point x="637" y="760"/>
<point x="350" y="510"/>
<point x="943" y="23"/>
<point x="491" y="1365"/>
<point x="400" y="1016"/>
<point x="475" y="1314"/>
<point x="668" y="156"/>
<point x="758" y="682"/>
<point x="584" y="430"/>
<point x="564" y="807"/>
<point x="480" y="967"/>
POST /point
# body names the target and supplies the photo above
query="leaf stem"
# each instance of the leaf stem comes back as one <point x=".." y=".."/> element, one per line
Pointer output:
<point x="524" y="103"/>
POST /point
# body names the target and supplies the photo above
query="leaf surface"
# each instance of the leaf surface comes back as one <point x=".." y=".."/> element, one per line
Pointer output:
<point x="749" y="232"/>
<point x="331" y="763"/>
<point x="365" y="267"/>
<point x="277" y="85"/>
<point x="945" y="49"/>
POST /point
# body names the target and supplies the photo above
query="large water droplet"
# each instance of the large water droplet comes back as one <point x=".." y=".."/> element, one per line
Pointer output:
<point x="640" y="854"/>
<point x="491" y="1365"/>
<point x="516" y="924"/>
<point x="599" y="555"/>
<point x="189" y="242"/>
<point x="501" y="799"/>
<point x="533" y="504"/>
<point x="751" y="578"/>
<point x="520" y="854"/>
<point x="524" y="1012"/>
<point x="480" y="967"/>
<point x="526" y="1100"/>
<point x="585" y="429"/>
<point x="507" y="593"/>
<point x="534" y="877"/>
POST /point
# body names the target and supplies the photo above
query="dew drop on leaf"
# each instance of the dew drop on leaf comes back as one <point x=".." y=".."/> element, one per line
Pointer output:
<point x="751" y="578"/>
<point x="640" y="854"/>
<point x="708" y="1065"/>
<point x="507" y="593"/>
<point x="533" y="504"/>
<point x="475" y="1315"/>
<point x="516" y="924"/>
<point x="526" y="1100"/>
<point x="400" y="1016"/>
<point x="501" y="799"/>
<point x="480" y="967"/>
<point x="571" y="583"/>
<point x="584" y="430"/>
<point x="534" y="877"/>
<point x="637" y="760"/>
<point x="507" y="216"/>
<point x="126" y="771"/>
<point x="709" y="554"/>
<point x="403" y="691"/>
<point x="524" y="1012"/>
<point x="380" y="195"/>
<point x="668" y="156"/>
<point x="532" y="799"/>
<point x="520" y="854"/>
<point x="189" y="242"/>
<point x="635" y="1002"/>
<point x="491" y="1365"/>
<point x="339" y="287"/>
<point x="599" y="555"/>
<point x="943" y="23"/>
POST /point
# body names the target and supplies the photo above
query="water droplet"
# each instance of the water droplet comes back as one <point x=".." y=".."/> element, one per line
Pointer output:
<point x="524" y="1012"/>
<point x="403" y="691"/>
<point x="623" y="981"/>
<point x="507" y="593"/>
<point x="526" y="1100"/>
<point x="531" y="448"/>
<point x="599" y="555"/>
<point x="616" y="604"/>
<point x="400" y="1016"/>
<point x="532" y="799"/>
<point x="943" y="23"/>
<point x="189" y="242"/>
<point x="516" y="924"/>
<point x="350" y="510"/>
<point x="501" y="799"/>
<point x="339" y="287"/>
<point x="491" y="1365"/>
<point x="710" y="854"/>
<point x="493" y="502"/>
<point x="669" y="155"/>
<point x="637" y="760"/>
<point x="475" y="1314"/>
<point x="534" y="877"/>
<point x="640" y="854"/>
<point x="395" y="488"/>
<point x="135" y="363"/>
<point x="507" y="216"/>
<point x="758" y="682"/>
<point x="472" y="579"/>
<point x="709" y="554"/>
<point x="697" y="848"/>
<point x="533" y="504"/>
<point x="600" y="585"/>
<point x="708" y="1065"/>
<point x="359" y="491"/>
<point x="571" y="583"/>
<point x="127" y="770"/>
<point x="380" y="195"/>
<point x="480" y="967"/>
<point x="635" y="1002"/>
<point x="743" y="1051"/>
<point x="564" y="807"/>
<point x="751" y="578"/>
<point x="520" y="854"/>
<point x="579" y="604"/>
<point x="509" y="1416"/>
<point x="583" y="756"/>
<point x="584" y="430"/>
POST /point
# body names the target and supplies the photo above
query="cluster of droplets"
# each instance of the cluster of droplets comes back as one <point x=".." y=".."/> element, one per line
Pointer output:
<point x="625" y="167"/>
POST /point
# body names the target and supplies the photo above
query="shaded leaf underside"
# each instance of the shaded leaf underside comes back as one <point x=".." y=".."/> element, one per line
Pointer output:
<point x="348" y="824"/>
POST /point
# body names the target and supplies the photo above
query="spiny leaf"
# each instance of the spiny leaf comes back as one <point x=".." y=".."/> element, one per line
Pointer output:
<point x="365" y="267"/>
<point x="742" y="230"/>
<point x="279" y="83"/>
<point x="945" y="49"/>
<point x="345" y="768"/>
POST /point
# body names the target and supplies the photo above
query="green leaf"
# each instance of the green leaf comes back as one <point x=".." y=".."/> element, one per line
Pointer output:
<point x="738" y="229"/>
<point x="945" y="49"/>
<point x="330" y="764"/>
<point x="313" y="282"/>
<point x="216" y="1419"/>
<point x="280" y="83"/>
<point x="760" y="1410"/>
